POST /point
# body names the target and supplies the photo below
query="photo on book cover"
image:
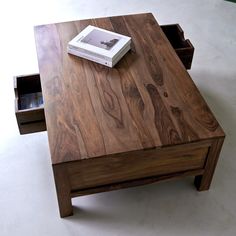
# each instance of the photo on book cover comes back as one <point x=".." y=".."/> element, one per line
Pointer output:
<point x="101" y="39"/>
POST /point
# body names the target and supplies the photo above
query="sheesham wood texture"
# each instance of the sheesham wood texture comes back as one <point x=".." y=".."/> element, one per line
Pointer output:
<point x="135" y="165"/>
<point x="148" y="100"/>
<point x="144" y="119"/>
<point x="63" y="190"/>
<point x="203" y="182"/>
<point x="136" y="182"/>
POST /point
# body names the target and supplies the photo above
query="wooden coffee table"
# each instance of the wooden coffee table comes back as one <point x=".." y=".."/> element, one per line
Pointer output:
<point x="142" y="121"/>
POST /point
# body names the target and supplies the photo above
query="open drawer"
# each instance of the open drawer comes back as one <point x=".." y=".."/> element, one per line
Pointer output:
<point x="182" y="46"/>
<point x="29" y="108"/>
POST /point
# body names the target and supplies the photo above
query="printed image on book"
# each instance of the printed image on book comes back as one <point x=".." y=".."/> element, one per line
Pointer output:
<point x="101" y="39"/>
<point x="99" y="45"/>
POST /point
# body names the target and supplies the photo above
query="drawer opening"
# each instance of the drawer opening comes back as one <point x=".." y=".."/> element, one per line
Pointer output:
<point x="183" y="47"/>
<point x="175" y="35"/>
<point x="29" y="107"/>
<point x="29" y="92"/>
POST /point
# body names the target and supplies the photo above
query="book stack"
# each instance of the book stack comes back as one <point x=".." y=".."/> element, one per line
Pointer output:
<point x="99" y="45"/>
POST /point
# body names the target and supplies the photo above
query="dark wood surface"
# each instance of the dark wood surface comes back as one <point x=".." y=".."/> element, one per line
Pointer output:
<point x="136" y="182"/>
<point x="135" y="165"/>
<point x="202" y="182"/>
<point x="63" y="190"/>
<point x="148" y="100"/>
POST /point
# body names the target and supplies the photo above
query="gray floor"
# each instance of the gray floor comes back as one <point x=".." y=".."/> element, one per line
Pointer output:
<point x="27" y="195"/>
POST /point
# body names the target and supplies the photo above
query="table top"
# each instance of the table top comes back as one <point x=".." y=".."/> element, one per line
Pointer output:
<point x="147" y="100"/>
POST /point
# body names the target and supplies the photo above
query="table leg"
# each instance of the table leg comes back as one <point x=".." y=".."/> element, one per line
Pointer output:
<point x="63" y="190"/>
<point x="203" y="182"/>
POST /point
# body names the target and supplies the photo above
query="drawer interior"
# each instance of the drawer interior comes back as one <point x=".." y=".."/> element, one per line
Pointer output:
<point x="29" y="107"/>
<point x="182" y="46"/>
<point x="175" y="35"/>
<point x="29" y="91"/>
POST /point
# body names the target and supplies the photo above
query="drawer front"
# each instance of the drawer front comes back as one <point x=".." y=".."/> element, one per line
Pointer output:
<point x="135" y="165"/>
<point x="32" y="127"/>
<point x="31" y="121"/>
<point x="30" y="115"/>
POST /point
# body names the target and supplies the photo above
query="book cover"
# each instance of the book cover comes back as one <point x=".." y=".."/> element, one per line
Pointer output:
<point x="100" y="43"/>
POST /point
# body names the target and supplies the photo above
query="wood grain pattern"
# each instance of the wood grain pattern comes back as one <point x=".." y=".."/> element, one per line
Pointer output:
<point x="203" y="182"/>
<point x="135" y="165"/>
<point x="136" y="182"/>
<point x="63" y="190"/>
<point x="148" y="100"/>
<point x="142" y="121"/>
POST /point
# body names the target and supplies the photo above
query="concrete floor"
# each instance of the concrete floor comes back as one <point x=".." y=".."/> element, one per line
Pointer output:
<point x="28" y="203"/>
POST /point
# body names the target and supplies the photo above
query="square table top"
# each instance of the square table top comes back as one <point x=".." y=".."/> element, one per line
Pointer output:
<point x="148" y="100"/>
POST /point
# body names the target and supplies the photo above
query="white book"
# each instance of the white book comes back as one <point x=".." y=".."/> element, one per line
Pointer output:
<point x="98" y="59"/>
<point x="99" y="43"/>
